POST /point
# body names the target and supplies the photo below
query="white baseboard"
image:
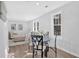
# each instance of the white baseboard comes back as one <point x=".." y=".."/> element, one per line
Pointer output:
<point x="69" y="52"/>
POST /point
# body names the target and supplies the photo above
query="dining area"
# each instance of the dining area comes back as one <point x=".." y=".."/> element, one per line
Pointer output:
<point x="36" y="46"/>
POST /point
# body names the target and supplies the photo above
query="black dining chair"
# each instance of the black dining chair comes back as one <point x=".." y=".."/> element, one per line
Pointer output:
<point x="37" y="40"/>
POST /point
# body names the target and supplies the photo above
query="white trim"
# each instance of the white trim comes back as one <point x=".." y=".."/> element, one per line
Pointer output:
<point x="68" y="52"/>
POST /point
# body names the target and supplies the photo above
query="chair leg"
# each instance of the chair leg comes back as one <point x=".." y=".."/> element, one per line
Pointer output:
<point x="55" y="48"/>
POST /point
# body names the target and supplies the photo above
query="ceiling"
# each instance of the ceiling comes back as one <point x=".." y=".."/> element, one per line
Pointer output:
<point x="29" y="10"/>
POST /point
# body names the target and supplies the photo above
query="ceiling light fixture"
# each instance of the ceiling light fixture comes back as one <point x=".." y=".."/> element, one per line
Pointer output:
<point x="37" y="4"/>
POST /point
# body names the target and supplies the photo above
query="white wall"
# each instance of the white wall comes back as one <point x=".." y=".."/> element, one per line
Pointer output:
<point x="70" y="29"/>
<point x="24" y="31"/>
<point x="70" y="16"/>
<point x="6" y="38"/>
<point x="2" y="46"/>
<point x="3" y="31"/>
<point x="3" y="40"/>
<point x="29" y="27"/>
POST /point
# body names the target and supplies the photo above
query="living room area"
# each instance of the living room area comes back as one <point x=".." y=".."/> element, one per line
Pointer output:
<point x="17" y="32"/>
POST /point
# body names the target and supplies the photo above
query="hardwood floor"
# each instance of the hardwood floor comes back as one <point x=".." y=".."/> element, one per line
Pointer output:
<point x="21" y="51"/>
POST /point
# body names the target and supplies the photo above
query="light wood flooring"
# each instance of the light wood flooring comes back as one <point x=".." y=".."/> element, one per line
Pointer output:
<point x="21" y="51"/>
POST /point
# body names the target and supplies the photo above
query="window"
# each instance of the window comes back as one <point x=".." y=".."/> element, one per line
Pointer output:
<point x="57" y="24"/>
<point x="37" y="26"/>
<point x="34" y="26"/>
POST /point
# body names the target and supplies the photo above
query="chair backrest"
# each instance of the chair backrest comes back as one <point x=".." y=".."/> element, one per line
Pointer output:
<point x="37" y="39"/>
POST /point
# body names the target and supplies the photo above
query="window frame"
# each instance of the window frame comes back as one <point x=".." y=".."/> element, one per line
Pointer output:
<point x="57" y="22"/>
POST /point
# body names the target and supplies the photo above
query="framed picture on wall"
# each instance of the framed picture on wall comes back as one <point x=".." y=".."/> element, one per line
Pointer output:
<point x="13" y="26"/>
<point x="20" y="27"/>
